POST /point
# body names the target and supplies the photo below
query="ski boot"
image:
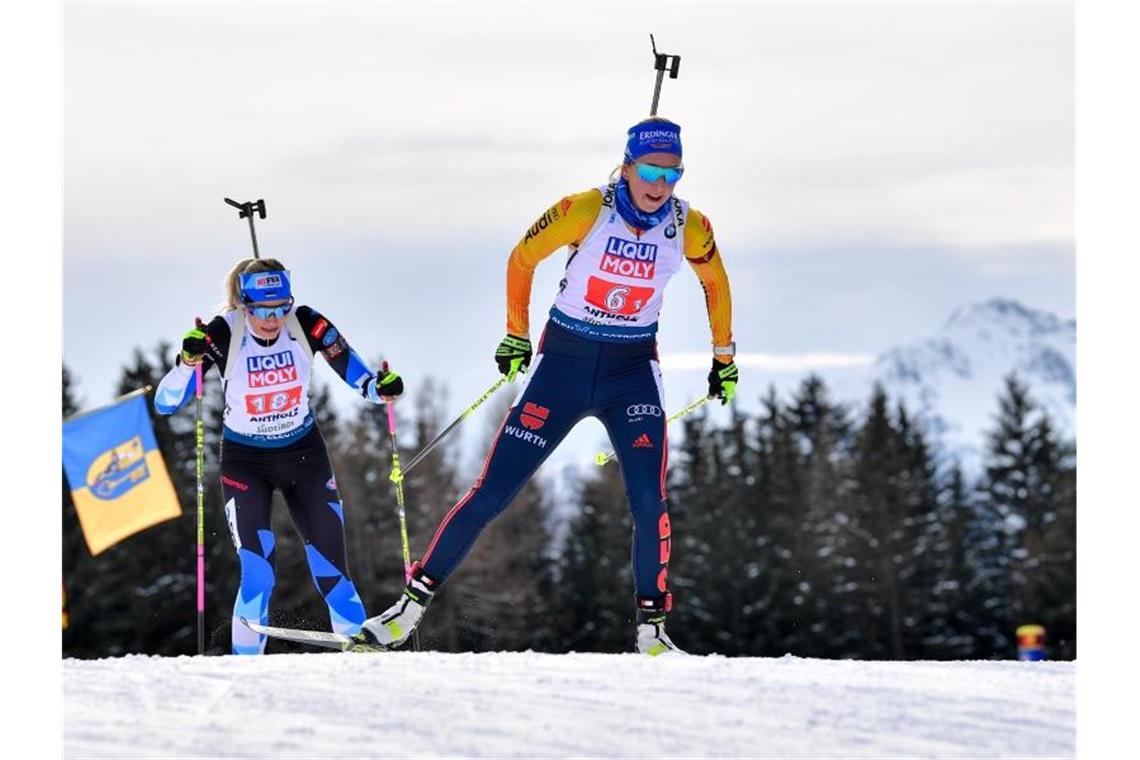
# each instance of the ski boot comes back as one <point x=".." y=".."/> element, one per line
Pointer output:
<point x="651" y="637"/>
<point x="392" y="627"/>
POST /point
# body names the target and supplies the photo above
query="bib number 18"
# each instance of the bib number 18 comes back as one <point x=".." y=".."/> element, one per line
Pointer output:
<point x="278" y="401"/>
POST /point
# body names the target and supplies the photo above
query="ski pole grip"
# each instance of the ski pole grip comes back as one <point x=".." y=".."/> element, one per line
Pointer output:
<point x="388" y="405"/>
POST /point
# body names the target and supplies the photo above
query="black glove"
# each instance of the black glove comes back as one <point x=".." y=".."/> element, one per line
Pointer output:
<point x="512" y="355"/>
<point x="385" y="386"/>
<point x="195" y="344"/>
<point x="722" y="380"/>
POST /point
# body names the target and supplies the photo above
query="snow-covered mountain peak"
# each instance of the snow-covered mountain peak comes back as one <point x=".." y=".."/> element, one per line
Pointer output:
<point x="999" y="317"/>
<point x="951" y="380"/>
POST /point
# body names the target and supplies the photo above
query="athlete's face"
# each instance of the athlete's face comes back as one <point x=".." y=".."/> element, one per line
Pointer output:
<point x="266" y="327"/>
<point x="650" y="196"/>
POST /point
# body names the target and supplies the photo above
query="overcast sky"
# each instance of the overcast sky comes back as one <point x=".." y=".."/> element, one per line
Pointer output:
<point x="868" y="168"/>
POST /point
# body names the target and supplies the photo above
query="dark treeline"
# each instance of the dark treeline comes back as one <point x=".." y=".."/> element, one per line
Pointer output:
<point x="805" y="529"/>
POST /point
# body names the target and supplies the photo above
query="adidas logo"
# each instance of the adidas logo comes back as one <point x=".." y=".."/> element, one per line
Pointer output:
<point x="643" y="442"/>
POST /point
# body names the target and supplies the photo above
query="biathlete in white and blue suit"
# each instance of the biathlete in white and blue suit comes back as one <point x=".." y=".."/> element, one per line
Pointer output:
<point x="597" y="357"/>
<point x="264" y="350"/>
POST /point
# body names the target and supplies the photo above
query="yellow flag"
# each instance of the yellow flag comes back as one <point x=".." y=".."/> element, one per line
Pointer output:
<point x="118" y="480"/>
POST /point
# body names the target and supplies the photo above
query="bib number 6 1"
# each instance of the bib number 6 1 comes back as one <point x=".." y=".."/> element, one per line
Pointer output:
<point x="616" y="298"/>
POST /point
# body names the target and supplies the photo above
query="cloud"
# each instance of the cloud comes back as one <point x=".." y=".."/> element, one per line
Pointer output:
<point x="892" y="124"/>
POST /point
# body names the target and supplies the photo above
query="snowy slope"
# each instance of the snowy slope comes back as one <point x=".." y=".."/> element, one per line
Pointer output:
<point x="409" y="704"/>
<point x="952" y="379"/>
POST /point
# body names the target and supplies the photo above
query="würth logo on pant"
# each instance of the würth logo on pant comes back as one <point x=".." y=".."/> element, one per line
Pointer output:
<point x="642" y="442"/>
<point x="533" y="416"/>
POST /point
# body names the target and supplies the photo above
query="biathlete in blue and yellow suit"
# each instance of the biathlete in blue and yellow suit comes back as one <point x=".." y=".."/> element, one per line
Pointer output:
<point x="597" y="357"/>
<point x="264" y="349"/>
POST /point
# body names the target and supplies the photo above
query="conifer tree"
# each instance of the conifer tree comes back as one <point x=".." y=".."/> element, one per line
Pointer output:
<point x="787" y="615"/>
<point x="915" y="534"/>
<point x="1029" y="491"/>
<point x="870" y="587"/>
<point x="1056" y="463"/>
<point x="70" y="397"/>
<point x="1051" y="537"/>
<point x="735" y="528"/>
<point x="951" y="618"/>
<point x="820" y="439"/>
<point x="1004" y="507"/>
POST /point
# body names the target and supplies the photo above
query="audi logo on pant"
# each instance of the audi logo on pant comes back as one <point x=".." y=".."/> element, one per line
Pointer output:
<point x="640" y="410"/>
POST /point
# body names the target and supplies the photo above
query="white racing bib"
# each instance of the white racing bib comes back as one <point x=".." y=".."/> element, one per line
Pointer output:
<point x="616" y="279"/>
<point x="267" y="388"/>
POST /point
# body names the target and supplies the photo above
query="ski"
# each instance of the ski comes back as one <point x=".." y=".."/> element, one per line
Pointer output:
<point x="324" y="639"/>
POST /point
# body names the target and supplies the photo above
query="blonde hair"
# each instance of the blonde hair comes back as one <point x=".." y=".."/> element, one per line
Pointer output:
<point x="245" y="266"/>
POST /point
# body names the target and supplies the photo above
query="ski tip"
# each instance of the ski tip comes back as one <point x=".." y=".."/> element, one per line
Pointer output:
<point x="601" y="458"/>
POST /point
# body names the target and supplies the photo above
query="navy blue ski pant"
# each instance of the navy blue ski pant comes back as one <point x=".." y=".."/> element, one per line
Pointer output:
<point x="569" y="379"/>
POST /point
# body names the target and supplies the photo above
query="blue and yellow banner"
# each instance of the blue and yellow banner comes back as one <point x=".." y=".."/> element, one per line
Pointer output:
<point x="118" y="480"/>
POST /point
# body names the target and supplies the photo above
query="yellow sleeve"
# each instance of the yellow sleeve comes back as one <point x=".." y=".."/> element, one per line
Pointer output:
<point x="567" y="222"/>
<point x="703" y="256"/>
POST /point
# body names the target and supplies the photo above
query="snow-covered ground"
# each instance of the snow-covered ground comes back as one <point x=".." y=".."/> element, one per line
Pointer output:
<point x="408" y="704"/>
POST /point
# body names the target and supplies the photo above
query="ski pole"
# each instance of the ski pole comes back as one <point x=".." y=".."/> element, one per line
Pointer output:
<point x="245" y="211"/>
<point x="397" y="477"/>
<point x="462" y="416"/>
<point x="199" y="451"/>
<point x="199" y="457"/>
<point x="601" y="459"/>
<point x="661" y="64"/>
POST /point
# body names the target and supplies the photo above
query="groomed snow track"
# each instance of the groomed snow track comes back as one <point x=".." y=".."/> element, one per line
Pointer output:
<point x="408" y="704"/>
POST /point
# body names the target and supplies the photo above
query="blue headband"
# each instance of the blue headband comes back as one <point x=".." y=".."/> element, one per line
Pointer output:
<point x="656" y="136"/>
<point x="257" y="287"/>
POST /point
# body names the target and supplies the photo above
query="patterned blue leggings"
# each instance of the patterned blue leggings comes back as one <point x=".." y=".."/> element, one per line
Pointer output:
<point x="301" y="471"/>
